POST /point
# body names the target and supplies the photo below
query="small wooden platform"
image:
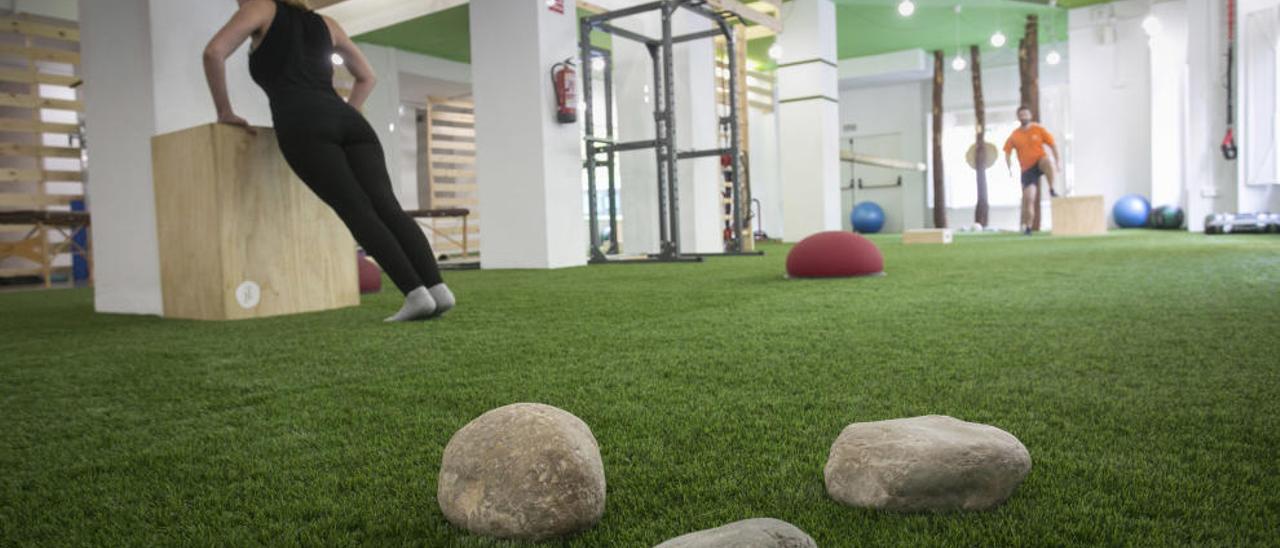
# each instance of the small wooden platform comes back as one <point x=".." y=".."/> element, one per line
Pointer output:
<point x="240" y="236"/>
<point x="1079" y="216"/>
<point x="927" y="236"/>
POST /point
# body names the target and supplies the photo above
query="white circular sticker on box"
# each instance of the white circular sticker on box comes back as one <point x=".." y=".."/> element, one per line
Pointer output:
<point x="248" y="295"/>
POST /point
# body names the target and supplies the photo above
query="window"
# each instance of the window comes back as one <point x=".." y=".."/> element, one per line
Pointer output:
<point x="960" y="180"/>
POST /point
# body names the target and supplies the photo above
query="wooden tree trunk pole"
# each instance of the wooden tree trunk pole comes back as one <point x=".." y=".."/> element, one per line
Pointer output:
<point x="939" y="189"/>
<point x="746" y="234"/>
<point x="1029" y="70"/>
<point x="980" y="137"/>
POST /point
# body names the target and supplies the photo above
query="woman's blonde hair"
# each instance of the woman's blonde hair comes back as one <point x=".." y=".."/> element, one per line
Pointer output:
<point x="301" y="4"/>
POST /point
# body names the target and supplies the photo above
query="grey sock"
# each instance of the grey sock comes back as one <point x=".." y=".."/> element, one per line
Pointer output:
<point x="418" y="305"/>
<point x="443" y="297"/>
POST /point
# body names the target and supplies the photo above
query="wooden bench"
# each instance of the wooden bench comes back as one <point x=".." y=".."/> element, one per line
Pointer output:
<point x="35" y="246"/>
<point x="449" y="212"/>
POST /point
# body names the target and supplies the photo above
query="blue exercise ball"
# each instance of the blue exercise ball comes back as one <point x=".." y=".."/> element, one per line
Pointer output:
<point x="1132" y="211"/>
<point x="867" y="218"/>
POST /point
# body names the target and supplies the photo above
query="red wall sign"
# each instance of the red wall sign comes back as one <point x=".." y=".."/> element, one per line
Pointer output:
<point x="556" y="5"/>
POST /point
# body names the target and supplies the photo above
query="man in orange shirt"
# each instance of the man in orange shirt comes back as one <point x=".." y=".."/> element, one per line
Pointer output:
<point x="1030" y="140"/>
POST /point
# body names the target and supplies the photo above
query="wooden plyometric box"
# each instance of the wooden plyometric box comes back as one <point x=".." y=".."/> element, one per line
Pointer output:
<point x="1079" y="216"/>
<point x="927" y="236"/>
<point x="240" y="236"/>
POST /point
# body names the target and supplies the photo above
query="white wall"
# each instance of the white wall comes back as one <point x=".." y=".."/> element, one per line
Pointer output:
<point x="1152" y="124"/>
<point x="180" y="29"/>
<point x="895" y="114"/>
<point x="1111" y="98"/>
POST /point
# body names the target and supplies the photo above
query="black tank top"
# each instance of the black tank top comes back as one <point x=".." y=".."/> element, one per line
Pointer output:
<point x="295" y="54"/>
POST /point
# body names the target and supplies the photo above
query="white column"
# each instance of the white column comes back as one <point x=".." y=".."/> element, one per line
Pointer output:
<point x="1168" y="103"/>
<point x="142" y="61"/>
<point x="528" y="166"/>
<point x="115" y="41"/>
<point x="809" y="120"/>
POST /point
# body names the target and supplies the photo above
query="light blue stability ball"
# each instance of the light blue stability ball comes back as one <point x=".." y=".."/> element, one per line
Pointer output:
<point x="1132" y="211"/>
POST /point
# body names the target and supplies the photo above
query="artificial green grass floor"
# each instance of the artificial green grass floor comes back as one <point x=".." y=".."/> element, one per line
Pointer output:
<point x="1141" y="370"/>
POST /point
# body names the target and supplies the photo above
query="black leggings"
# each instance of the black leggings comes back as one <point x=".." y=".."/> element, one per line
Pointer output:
<point x="336" y="153"/>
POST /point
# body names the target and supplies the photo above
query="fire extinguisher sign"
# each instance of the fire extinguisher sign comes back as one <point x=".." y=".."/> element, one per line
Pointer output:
<point x="556" y="5"/>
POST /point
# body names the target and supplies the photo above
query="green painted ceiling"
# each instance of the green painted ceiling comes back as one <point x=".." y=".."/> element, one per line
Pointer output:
<point x="865" y="27"/>
<point x="869" y="27"/>
<point x="445" y="34"/>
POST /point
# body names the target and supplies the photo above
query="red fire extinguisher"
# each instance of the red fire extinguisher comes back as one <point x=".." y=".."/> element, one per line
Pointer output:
<point x="562" y="81"/>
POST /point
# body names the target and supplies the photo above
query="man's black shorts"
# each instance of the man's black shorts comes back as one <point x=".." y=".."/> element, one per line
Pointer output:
<point x="1032" y="176"/>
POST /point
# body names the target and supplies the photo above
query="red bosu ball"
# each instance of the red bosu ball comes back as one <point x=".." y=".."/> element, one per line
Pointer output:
<point x="834" y="254"/>
<point x="370" y="274"/>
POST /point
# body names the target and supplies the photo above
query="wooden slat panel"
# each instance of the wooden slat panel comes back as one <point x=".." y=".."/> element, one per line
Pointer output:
<point x="11" y="175"/>
<point x="64" y="176"/>
<point x="27" y="77"/>
<point x="447" y="235"/>
<point x="37" y="200"/>
<point x="765" y="7"/>
<point x="759" y="32"/>
<point x="18" y="149"/>
<point x="454" y="173"/>
<point x="32" y="126"/>
<point x="457" y="117"/>
<point x="756" y="104"/>
<point x="455" y="187"/>
<point x="454" y="131"/>
<point x="17" y="271"/>
<point x="452" y="159"/>
<point x="755" y="90"/>
<point x="589" y="7"/>
<point x="453" y="145"/>
<point x="18" y="100"/>
<point x="452" y="202"/>
<point x="41" y="30"/>
<point x="41" y="54"/>
<point x="750" y="14"/>
<point x="453" y="103"/>
<point x="14" y="272"/>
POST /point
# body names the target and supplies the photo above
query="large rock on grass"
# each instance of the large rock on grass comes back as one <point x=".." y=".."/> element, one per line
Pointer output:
<point x="932" y="463"/>
<point x="524" y="471"/>
<point x="748" y="533"/>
